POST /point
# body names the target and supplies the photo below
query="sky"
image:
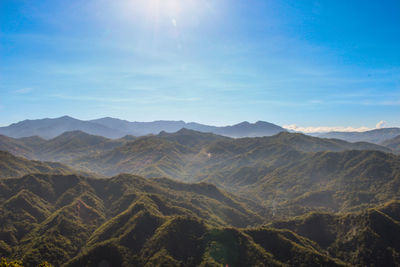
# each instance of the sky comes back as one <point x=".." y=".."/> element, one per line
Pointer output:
<point x="307" y="65"/>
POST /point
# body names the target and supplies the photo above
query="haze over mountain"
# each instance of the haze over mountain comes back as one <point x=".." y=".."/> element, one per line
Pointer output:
<point x="50" y="128"/>
<point x="393" y="144"/>
<point x="69" y="217"/>
<point x="12" y="166"/>
<point x="97" y="188"/>
<point x="377" y="136"/>
<point x="282" y="170"/>
<point x="116" y="128"/>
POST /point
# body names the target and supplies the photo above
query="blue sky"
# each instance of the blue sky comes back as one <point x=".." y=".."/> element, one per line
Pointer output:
<point x="309" y="63"/>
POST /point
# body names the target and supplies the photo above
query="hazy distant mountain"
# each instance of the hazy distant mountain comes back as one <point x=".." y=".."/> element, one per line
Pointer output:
<point x="12" y="166"/>
<point x="244" y="129"/>
<point x="393" y="143"/>
<point x="116" y="128"/>
<point x="50" y="128"/>
<point x="63" y="148"/>
<point x="374" y="136"/>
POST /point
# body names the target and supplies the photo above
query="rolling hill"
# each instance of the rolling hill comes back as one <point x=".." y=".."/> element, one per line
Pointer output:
<point x="12" y="166"/>
<point x="63" y="148"/>
<point x="291" y="172"/>
<point x="393" y="144"/>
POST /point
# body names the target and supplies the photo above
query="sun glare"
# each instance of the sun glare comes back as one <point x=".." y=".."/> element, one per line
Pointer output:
<point x="156" y="8"/>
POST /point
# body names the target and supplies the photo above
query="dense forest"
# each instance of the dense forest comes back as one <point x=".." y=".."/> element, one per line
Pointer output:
<point x="198" y="199"/>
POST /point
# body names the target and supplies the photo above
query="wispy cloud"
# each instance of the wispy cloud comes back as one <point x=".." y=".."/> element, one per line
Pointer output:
<point x="23" y="91"/>
<point x="137" y="100"/>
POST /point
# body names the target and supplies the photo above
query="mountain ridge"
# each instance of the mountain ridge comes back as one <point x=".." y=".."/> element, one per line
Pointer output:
<point x="376" y="136"/>
<point x="116" y="128"/>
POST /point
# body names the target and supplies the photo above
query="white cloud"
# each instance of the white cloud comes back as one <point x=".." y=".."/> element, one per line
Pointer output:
<point x="24" y="91"/>
<point x="381" y="124"/>
<point x="173" y="22"/>
<point x="325" y="129"/>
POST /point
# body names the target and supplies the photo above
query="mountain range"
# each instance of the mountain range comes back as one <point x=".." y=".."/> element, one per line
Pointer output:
<point x="377" y="136"/>
<point x="116" y="128"/>
<point x="193" y="198"/>
<point x="291" y="172"/>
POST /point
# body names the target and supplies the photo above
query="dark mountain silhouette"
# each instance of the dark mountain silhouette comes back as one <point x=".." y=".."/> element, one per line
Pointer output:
<point x="376" y="136"/>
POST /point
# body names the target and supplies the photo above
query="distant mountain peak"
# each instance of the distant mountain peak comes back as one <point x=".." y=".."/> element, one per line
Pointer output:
<point x="66" y="117"/>
<point x="116" y="128"/>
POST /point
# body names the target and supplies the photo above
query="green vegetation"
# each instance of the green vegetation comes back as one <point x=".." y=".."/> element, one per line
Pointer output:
<point x="128" y="220"/>
<point x="12" y="166"/>
<point x="365" y="238"/>
<point x="17" y="263"/>
<point x="344" y="198"/>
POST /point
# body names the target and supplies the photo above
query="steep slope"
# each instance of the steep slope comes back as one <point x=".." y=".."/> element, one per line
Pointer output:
<point x="51" y="217"/>
<point x="368" y="238"/>
<point x="128" y="220"/>
<point x="376" y="136"/>
<point x="15" y="147"/>
<point x="330" y="181"/>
